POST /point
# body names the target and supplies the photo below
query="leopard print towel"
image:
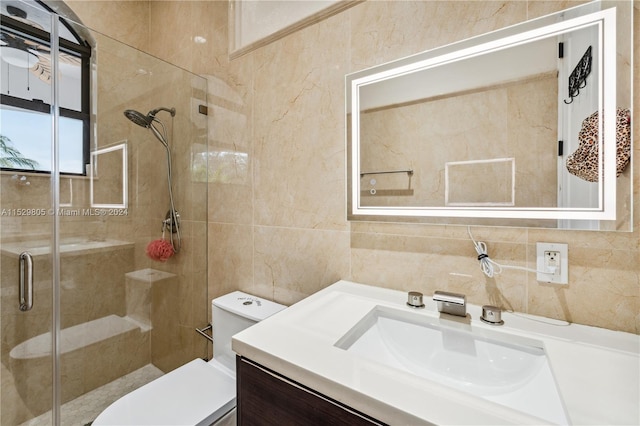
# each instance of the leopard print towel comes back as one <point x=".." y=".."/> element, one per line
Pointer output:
<point x="583" y="162"/>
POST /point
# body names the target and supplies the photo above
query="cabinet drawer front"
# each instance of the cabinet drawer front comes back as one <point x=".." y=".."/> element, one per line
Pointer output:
<point x="267" y="398"/>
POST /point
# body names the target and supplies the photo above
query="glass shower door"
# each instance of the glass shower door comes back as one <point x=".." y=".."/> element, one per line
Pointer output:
<point x="106" y="317"/>
<point x="28" y="128"/>
<point x="127" y="317"/>
<point x="26" y="264"/>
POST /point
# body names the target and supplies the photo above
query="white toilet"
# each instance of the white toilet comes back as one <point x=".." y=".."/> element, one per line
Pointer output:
<point x="199" y="392"/>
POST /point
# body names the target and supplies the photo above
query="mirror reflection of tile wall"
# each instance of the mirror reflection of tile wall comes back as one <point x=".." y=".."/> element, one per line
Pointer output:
<point x="509" y="121"/>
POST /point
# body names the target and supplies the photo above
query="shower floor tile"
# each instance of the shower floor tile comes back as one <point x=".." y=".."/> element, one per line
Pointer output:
<point x="84" y="409"/>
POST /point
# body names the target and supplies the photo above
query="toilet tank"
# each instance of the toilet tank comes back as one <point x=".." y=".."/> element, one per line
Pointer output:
<point x="233" y="313"/>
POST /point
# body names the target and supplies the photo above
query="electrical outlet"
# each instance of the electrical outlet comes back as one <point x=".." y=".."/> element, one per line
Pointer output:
<point x="552" y="263"/>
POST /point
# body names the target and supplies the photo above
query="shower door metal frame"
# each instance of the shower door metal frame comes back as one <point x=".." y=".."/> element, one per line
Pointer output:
<point x="55" y="192"/>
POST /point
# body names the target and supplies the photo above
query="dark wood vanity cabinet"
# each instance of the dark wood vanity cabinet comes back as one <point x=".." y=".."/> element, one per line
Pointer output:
<point x="265" y="397"/>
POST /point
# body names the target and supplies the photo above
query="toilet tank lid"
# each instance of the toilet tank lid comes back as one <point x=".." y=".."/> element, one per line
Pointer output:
<point x="248" y="306"/>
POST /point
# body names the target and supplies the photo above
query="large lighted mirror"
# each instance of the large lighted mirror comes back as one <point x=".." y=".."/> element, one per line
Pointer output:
<point x="525" y="126"/>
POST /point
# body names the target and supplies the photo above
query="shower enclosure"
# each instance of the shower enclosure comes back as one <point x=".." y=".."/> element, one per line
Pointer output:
<point x="85" y="314"/>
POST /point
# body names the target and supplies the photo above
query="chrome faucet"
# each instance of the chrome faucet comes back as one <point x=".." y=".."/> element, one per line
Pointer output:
<point x="451" y="303"/>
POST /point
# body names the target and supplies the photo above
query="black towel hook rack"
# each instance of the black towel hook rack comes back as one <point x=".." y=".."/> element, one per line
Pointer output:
<point x="578" y="77"/>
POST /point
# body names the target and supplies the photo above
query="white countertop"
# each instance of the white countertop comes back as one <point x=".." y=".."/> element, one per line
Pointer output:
<point x="597" y="371"/>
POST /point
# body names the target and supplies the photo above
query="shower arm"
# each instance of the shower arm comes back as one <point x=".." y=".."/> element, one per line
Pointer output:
<point x="171" y="111"/>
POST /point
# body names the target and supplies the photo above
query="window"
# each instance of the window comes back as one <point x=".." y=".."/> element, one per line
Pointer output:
<point x="25" y="91"/>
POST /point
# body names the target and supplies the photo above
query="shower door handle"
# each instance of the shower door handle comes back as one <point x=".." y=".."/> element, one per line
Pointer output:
<point x="25" y="290"/>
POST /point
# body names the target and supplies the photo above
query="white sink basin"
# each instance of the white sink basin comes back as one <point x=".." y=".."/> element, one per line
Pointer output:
<point x="506" y="369"/>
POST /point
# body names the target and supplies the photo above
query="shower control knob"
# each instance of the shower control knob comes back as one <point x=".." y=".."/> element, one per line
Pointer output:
<point x="414" y="299"/>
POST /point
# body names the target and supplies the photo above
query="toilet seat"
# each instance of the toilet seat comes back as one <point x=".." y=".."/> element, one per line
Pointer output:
<point x="197" y="393"/>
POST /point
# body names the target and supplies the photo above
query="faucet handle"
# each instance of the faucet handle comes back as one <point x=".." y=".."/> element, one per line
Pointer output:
<point x="414" y="299"/>
<point x="491" y="315"/>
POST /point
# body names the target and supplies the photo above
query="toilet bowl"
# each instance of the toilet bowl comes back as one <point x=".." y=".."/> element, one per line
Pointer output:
<point x="199" y="392"/>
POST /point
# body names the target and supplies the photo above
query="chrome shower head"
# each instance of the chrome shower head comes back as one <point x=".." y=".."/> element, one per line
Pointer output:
<point x="145" y="120"/>
<point x="139" y="118"/>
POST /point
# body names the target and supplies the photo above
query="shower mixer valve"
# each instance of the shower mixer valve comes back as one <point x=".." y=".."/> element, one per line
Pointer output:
<point x="169" y="223"/>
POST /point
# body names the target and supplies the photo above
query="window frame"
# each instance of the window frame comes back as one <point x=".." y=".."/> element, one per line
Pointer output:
<point x="82" y="50"/>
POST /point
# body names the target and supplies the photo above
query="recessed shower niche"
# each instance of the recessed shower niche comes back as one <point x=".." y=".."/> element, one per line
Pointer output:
<point x="108" y="173"/>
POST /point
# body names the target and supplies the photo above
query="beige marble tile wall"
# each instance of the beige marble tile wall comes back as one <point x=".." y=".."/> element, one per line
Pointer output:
<point x="283" y="234"/>
<point x="276" y="220"/>
<point x="126" y="21"/>
<point x="188" y="141"/>
<point x="603" y="288"/>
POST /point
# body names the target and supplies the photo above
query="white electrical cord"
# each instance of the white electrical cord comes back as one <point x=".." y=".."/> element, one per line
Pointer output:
<point x="487" y="266"/>
<point x="491" y="268"/>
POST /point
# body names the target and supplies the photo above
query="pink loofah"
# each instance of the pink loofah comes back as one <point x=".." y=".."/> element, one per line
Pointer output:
<point x="160" y="250"/>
